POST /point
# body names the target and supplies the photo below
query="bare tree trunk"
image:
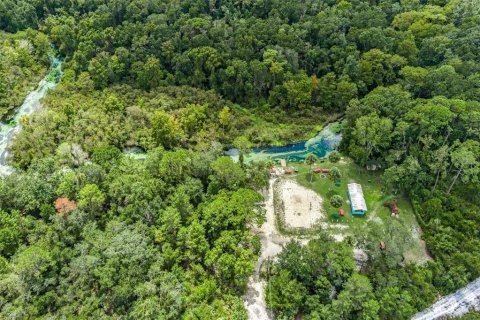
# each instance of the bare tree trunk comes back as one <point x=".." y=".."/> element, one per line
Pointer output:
<point x="454" y="181"/>
<point x="450" y="168"/>
<point x="436" y="181"/>
<point x="446" y="138"/>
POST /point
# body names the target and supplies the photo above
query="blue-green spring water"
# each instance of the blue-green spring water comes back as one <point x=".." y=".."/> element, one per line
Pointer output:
<point x="320" y="145"/>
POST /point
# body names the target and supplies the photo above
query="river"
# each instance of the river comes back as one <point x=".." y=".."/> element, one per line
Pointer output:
<point x="10" y="127"/>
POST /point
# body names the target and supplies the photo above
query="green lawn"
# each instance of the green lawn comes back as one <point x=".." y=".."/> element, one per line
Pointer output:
<point x="374" y="197"/>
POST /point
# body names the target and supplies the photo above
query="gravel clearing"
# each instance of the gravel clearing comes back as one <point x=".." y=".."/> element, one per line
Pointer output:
<point x="302" y="206"/>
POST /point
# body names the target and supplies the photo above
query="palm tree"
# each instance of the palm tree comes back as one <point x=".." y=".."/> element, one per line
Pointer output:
<point x="310" y="160"/>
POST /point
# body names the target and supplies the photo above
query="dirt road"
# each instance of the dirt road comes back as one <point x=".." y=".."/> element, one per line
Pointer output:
<point x="454" y="305"/>
<point x="272" y="244"/>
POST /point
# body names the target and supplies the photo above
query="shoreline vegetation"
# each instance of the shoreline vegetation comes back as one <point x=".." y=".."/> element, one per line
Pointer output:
<point x="52" y="75"/>
<point x="300" y="132"/>
<point x="22" y="66"/>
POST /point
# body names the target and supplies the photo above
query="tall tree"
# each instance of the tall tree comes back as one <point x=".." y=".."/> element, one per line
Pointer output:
<point x="371" y="134"/>
<point x="466" y="161"/>
<point x="310" y="160"/>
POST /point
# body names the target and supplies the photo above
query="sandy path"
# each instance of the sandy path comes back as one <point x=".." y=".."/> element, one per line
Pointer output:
<point x="272" y="244"/>
<point x="454" y="305"/>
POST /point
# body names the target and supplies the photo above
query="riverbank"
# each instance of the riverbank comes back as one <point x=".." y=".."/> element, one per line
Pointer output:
<point x="23" y="64"/>
<point x="10" y="127"/>
<point x="277" y="127"/>
<point x="320" y="145"/>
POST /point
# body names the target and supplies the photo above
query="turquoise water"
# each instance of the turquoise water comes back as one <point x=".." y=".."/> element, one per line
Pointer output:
<point x="135" y="153"/>
<point x="321" y="145"/>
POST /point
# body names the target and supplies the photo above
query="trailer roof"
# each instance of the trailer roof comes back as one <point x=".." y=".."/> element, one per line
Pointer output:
<point x="356" y="197"/>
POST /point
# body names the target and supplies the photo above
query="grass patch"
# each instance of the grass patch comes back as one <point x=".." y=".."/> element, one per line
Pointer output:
<point x="374" y="197"/>
<point x="371" y="185"/>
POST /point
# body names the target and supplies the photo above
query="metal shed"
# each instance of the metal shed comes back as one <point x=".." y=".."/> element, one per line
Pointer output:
<point x="357" y="201"/>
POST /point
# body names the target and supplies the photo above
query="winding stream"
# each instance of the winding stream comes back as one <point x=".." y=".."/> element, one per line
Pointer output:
<point x="10" y="127"/>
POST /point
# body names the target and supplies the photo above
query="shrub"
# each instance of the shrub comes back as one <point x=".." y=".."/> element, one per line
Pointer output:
<point x="334" y="157"/>
<point x="336" y="201"/>
<point x="335" y="174"/>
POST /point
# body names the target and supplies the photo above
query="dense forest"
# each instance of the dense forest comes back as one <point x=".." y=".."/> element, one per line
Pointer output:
<point x="89" y="232"/>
